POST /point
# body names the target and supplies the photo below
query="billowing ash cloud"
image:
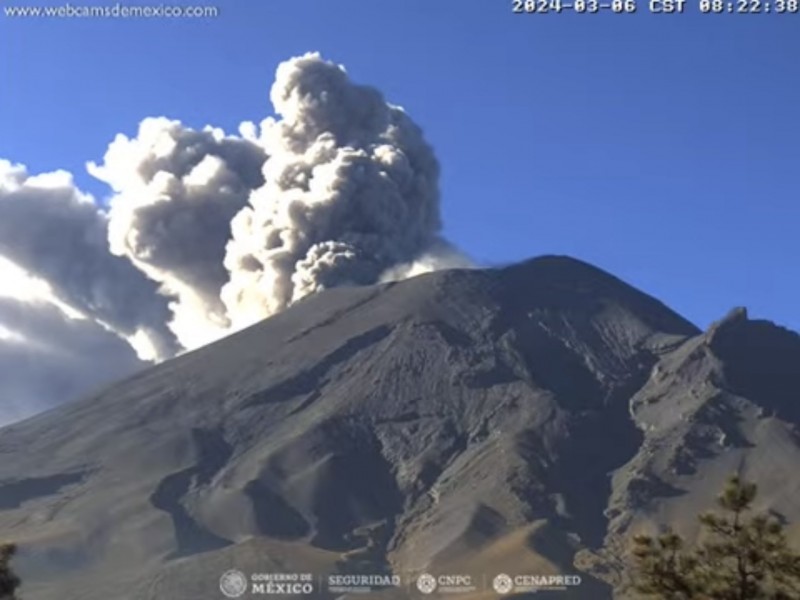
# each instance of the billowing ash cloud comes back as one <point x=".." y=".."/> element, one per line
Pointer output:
<point x="48" y="227"/>
<point x="206" y="233"/>
<point x="351" y="192"/>
<point x="177" y="191"/>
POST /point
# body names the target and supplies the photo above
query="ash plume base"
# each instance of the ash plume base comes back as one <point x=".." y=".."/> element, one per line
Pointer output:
<point x="206" y="233"/>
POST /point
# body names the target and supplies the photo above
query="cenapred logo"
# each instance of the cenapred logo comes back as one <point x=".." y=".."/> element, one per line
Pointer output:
<point x="233" y="583"/>
<point x="426" y="583"/>
<point x="502" y="583"/>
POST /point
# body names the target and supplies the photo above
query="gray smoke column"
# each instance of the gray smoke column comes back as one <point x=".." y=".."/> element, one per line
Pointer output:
<point x="350" y="195"/>
<point x="177" y="190"/>
<point x="206" y="233"/>
<point x="49" y="228"/>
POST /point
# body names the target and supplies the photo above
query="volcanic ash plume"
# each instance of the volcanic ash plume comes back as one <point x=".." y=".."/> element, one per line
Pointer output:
<point x="206" y="233"/>
<point x="177" y="190"/>
<point x="49" y="228"/>
<point x="350" y="192"/>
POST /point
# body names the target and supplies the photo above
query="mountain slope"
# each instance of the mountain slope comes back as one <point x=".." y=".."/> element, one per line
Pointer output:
<point x="725" y="402"/>
<point x="518" y="419"/>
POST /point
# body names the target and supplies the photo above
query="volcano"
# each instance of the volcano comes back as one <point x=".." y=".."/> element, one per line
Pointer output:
<point x="520" y="420"/>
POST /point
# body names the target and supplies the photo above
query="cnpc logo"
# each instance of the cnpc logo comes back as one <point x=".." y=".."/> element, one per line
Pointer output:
<point x="427" y="583"/>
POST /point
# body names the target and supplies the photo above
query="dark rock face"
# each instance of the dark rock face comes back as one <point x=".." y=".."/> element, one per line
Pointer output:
<point x="515" y="420"/>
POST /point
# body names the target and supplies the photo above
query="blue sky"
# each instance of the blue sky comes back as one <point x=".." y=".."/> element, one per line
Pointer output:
<point x="663" y="148"/>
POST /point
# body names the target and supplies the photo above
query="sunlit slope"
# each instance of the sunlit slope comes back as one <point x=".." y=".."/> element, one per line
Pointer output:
<point x="507" y="419"/>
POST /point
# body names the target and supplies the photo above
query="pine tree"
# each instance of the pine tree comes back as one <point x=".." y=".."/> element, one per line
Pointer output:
<point x="740" y="556"/>
<point x="9" y="582"/>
